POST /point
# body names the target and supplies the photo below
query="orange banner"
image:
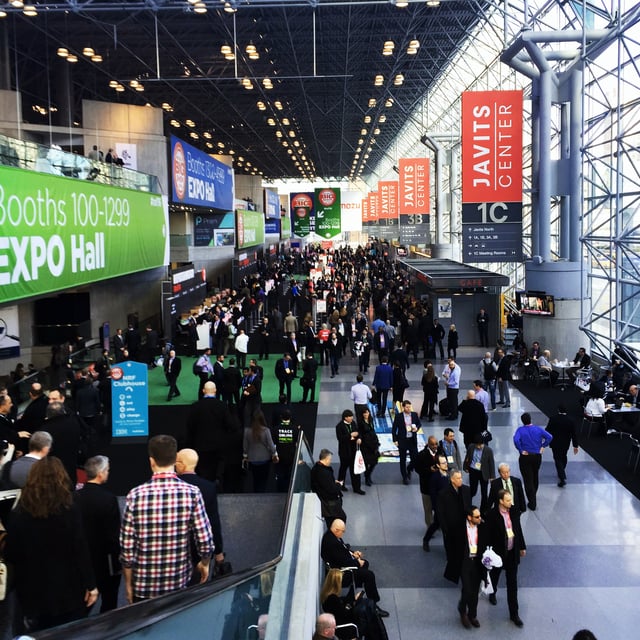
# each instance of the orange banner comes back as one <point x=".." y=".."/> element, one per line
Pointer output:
<point x="365" y="210"/>
<point x="374" y="208"/>
<point x="388" y="194"/>
<point x="414" y="186"/>
<point x="492" y="146"/>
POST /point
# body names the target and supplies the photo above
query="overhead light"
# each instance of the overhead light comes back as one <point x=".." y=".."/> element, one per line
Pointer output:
<point x="88" y="51"/>
<point x="372" y="102"/>
<point x="285" y="122"/>
<point x="119" y="88"/>
<point x="433" y="3"/>
<point x="278" y="134"/>
<point x="209" y="145"/>
<point x="367" y="119"/>
<point x="296" y="143"/>
<point x="376" y="132"/>
<point x="292" y="134"/>
<point x="72" y="57"/>
<point x="3" y="14"/>
<point x="388" y="102"/>
<point x="200" y="7"/>
<point x="206" y="135"/>
<point x="229" y="56"/>
<point x="97" y="58"/>
<point x="360" y="140"/>
<point x="139" y="87"/>
<point x="229" y="8"/>
<point x="254" y="56"/>
<point x="379" y="80"/>
<point x="251" y="48"/>
<point x="382" y="118"/>
<point x="63" y="52"/>
<point x="266" y="82"/>
<point x="30" y="10"/>
<point x="190" y="123"/>
<point x="387" y="50"/>
<point x="166" y="106"/>
<point x="271" y="122"/>
<point x="113" y="84"/>
<point x="225" y="49"/>
<point x="401" y="4"/>
<point x="220" y="145"/>
<point x="398" y="80"/>
<point x="261" y="105"/>
<point x="17" y="4"/>
<point x="414" y="44"/>
<point x="363" y="132"/>
<point x="194" y="135"/>
<point x="278" y="105"/>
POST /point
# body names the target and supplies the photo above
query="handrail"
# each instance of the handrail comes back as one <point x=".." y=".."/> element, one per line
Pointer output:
<point x="127" y="620"/>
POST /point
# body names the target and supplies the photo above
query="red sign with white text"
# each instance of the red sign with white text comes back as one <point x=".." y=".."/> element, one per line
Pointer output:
<point x="365" y="210"/>
<point x="413" y="196"/>
<point x="388" y="194"/>
<point x="492" y="146"/>
<point x="373" y="207"/>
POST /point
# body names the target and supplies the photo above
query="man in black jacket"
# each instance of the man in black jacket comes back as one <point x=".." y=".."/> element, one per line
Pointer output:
<point x="511" y="484"/>
<point x="404" y="434"/>
<point x="186" y="463"/>
<point x="101" y="519"/>
<point x="325" y="486"/>
<point x="210" y="428"/>
<point x="338" y="554"/>
<point x="504" y="535"/>
<point x="564" y="431"/>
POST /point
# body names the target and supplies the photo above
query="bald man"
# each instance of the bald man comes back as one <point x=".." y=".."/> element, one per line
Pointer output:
<point x="474" y="418"/>
<point x="337" y="554"/>
<point x="35" y="413"/>
<point x="325" y="627"/>
<point x="186" y="463"/>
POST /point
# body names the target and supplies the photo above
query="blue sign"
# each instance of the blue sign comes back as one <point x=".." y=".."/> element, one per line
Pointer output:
<point x="198" y="179"/>
<point x="271" y="204"/>
<point x="129" y="400"/>
<point x="272" y="226"/>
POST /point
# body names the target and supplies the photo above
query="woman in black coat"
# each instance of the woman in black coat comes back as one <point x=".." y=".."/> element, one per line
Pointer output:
<point x="399" y="383"/>
<point x="429" y="384"/>
<point x="370" y="446"/>
<point x="452" y="341"/>
<point x="46" y="545"/>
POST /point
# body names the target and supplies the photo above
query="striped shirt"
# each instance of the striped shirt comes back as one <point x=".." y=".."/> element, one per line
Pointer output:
<point x="161" y="518"/>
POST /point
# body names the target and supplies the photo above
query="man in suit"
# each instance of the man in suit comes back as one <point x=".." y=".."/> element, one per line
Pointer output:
<point x="511" y="484"/>
<point x="426" y="466"/>
<point x="454" y="502"/>
<point x="35" y="413"/>
<point x="285" y="373"/>
<point x="232" y="383"/>
<point x="68" y="432"/>
<point x="327" y="488"/>
<point x="219" y="374"/>
<point x="582" y="360"/>
<point x="172" y="368"/>
<point x="474" y="418"/>
<point x="436" y="331"/>
<point x="292" y="346"/>
<point x="209" y="426"/>
<point x="383" y="381"/>
<point x="504" y="535"/>
<point x="186" y="463"/>
<point x="119" y="346"/>
<point x="101" y="519"/>
<point x="470" y="567"/>
<point x="564" y="431"/>
<point x="482" y="322"/>
<point x="16" y="472"/>
<point x="338" y="554"/>
<point x="404" y="434"/>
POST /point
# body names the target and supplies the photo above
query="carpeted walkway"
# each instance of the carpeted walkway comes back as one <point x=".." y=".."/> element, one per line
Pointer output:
<point x="611" y="452"/>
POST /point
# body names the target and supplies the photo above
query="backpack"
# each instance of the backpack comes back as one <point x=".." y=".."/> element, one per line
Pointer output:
<point x="197" y="368"/>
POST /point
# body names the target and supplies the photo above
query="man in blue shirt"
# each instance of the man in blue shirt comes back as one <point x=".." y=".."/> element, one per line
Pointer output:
<point x="530" y="440"/>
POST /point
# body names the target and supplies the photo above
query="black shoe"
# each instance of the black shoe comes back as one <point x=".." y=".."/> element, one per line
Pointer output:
<point x="506" y="406"/>
<point x="465" y="620"/>
<point x="516" y="620"/>
<point x="492" y="599"/>
<point x="425" y="546"/>
<point x="381" y="612"/>
<point x="368" y="482"/>
<point x="474" y="622"/>
<point x="177" y="394"/>
<point x="530" y="506"/>
<point x="169" y="398"/>
<point x="562" y="483"/>
<point x="360" y="492"/>
<point x="344" y="489"/>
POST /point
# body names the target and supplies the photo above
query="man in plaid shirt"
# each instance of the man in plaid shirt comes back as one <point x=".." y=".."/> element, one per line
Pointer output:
<point x="161" y="519"/>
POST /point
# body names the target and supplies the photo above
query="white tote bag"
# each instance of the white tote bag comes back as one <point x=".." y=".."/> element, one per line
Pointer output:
<point x="358" y="463"/>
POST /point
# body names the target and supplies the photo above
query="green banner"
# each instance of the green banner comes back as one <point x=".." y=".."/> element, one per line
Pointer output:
<point x="59" y="232"/>
<point x="250" y="228"/>
<point x="328" y="213"/>
<point x="285" y="229"/>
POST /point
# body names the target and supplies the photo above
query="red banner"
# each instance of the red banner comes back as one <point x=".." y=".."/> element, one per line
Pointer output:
<point x="388" y="194"/>
<point x="365" y="210"/>
<point x="414" y="186"/>
<point x="374" y="208"/>
<point x="492" y="146"/>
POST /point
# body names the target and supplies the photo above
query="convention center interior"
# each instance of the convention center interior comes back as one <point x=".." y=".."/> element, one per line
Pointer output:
<point x="319" y="319"/>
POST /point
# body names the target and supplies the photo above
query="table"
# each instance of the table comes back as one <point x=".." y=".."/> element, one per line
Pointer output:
<point x="562" y="366"/>
<point x="628" y="415"/>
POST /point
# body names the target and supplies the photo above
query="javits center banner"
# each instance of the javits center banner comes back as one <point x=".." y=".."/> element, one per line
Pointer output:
<point x="492" y="176"/>
<point x="388" y="212"/>
<point x="414" y="201"/>
<point x="60" y="232"/>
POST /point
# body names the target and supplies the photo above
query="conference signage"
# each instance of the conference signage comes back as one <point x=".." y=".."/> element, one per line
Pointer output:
<point x="271" y="204"/>
<point x="388" y="211"/>
<point x="302" y="214"/>
<point x="373" y="207"/>
<point x="129" y="399"/>
<point x="249" y="228"/>
<point x="351" y="208"/>
<point x="365" y="210"/>
<point x="272" y="226"/>
<point x="198" y="179"/>
<point x="492" y="176"/>
<point x="285" y="227"/>
<point x="414" y="204"/>
<point x="328" y="212"/>
<point x="58" y="232"/>
<point x="213" y="229"/>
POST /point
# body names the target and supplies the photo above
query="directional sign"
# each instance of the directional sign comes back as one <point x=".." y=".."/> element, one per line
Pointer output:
<point x="129" y="399"/>
<point x="492" y="232"/>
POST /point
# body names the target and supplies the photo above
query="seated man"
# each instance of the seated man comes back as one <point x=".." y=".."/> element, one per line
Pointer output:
<point x="581" y="361"/>
<point x="337" y="554"/>
<point x="544" y="364"/>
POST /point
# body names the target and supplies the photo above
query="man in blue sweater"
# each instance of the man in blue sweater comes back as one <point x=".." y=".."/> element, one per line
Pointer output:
<point x="530" y="440"/>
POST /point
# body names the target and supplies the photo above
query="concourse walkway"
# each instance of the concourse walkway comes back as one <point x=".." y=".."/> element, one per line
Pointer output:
<point x="582" y="568"/>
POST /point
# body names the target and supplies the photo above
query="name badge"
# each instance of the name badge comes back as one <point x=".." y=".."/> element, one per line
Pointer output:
<point x="510" y="533"/>
<point x="477" y="466"/>
<point x="449" y="459"/>
<point x="473" y="549"/>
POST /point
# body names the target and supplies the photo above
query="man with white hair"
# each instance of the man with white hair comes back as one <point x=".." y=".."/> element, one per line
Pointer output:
<point x="325" y="627"/>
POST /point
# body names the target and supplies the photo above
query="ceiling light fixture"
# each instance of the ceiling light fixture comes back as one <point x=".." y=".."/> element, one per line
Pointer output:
<point x="372" y="102"/>
<point x="30" y="10"/>
<point x="378" y="81"/>
<point x="88" y="51"/>
<point x="200" y="7"/>
<point x="63" y="52"/>
<point x="388" y="103"/>
<point x="72" y="57"/>
<point x="96" y="57"/>
<point x="225" y="49"/>
<point x="17" y="4"/>
<point x="229" y="8"/>
<point x="398" y="80"/>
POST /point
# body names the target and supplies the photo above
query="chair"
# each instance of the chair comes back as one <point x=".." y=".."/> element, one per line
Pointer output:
<point x="590" y="421"/>
<point x="543" y="375"/>
<point x="348" y="631"/>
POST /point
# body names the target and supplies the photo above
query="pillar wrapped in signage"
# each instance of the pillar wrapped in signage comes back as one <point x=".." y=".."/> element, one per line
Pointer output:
<point x="492" y="176"/>
<point x="413" y="200"/>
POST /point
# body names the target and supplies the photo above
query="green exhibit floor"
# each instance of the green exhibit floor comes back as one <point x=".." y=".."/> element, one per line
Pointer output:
<point x="188" y="383"/>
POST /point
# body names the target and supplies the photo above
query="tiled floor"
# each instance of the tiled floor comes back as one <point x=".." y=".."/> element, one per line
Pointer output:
<point x="582" y="568"/>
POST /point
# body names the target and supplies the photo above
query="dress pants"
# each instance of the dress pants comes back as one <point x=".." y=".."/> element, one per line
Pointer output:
<point x="529" y="468"/>
<point x="383" y="396"/>
<point x="475" y="479"/>
<point x="470" y="578"/>
<point x="560" y="459"/>
<point x="347" y="463"/>
<point x="452" y="397"/>
<point x="410" y="446"/>
<point x="510" y="567"/>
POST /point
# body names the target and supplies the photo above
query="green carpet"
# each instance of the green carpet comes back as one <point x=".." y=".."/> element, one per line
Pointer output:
<point x="188" y="383"/>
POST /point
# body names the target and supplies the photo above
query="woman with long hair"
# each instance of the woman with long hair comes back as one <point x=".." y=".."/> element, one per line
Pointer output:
<point x="370" y="444"/>
<point x="259" y="451"/>
<point x="429" y="384"/>
<point x="332" y="601"/>
<point x="46" y="545"/>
